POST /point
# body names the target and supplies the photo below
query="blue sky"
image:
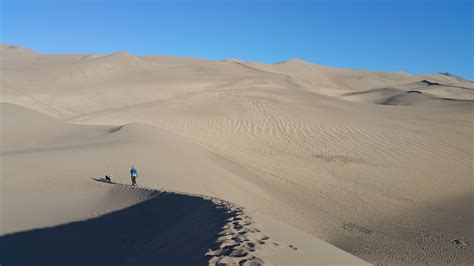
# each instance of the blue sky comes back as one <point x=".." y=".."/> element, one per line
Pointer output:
<point x="413" y="36"/>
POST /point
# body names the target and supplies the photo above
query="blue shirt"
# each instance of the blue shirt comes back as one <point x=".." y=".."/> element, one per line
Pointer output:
<point x="133" y="172"/>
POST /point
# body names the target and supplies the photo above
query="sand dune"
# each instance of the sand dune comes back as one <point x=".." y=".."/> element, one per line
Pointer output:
<point x="169" y="228"/>
<point x="311" y="146"/>
<point x="92" y="221"/>
<point x="419" y="93"/>
<point x="166" y="227"/>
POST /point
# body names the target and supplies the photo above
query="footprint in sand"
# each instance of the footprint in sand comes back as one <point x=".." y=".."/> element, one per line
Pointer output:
<point x="352" y="227"/>
<point x="459" y="243"/>
<point x="229" y="245"/>
<point x="251" y="262"/>
<point x="238" y="253"/>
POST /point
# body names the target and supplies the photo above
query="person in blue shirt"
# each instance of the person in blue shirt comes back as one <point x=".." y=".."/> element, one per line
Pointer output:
<point x="133" y="175"/>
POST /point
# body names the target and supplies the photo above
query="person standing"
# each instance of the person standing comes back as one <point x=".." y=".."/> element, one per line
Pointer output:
<point x="134" y="175"/>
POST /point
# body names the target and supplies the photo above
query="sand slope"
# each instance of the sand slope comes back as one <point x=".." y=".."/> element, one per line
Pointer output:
<point x="55" y="211"/>
<point x="168" y="228"/>
<point x="311" y="146"/>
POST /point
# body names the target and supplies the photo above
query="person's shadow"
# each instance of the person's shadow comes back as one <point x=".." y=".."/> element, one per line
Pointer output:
<point x="103" y="180"/>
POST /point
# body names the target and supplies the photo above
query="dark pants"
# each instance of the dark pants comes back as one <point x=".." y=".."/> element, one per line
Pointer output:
<point x="134" y="182"/>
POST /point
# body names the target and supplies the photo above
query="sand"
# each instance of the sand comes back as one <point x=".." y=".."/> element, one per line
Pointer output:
<point x="377" y="164"/>
<point x="57" y="209"/>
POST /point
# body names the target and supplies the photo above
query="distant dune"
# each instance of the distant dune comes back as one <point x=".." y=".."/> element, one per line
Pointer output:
<point x="378" y="164"/>
<point x="416" y="94"/>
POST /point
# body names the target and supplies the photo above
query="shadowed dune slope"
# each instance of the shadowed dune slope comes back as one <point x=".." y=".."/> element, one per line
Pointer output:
<point x="167" y="228"/>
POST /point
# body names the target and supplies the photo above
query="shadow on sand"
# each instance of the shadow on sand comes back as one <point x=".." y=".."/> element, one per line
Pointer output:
<point x="167" y="229"/>
<point x="103" y="180"/>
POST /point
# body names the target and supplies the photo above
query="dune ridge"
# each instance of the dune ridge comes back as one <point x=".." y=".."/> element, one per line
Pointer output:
<point x="165" y="227"/>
